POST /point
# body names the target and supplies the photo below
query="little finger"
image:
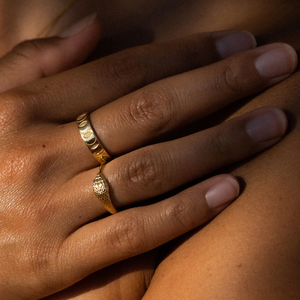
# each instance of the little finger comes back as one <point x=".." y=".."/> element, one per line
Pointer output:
<point x="135" y="231"/>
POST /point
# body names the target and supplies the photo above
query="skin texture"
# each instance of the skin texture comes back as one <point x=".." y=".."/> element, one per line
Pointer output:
<point x="250" y="251"/>
<point x="258" y="233"/>
<point x="49" y="217"/>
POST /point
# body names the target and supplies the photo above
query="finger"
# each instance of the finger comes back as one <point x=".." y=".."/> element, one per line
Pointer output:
<point x="157" y="169"/>
<point x="98" y="83"/>
<point x="137" y="119"/>
<point x="160" y="168"/>
<point x="40" y="58"/>
<point x="135" y="231"/>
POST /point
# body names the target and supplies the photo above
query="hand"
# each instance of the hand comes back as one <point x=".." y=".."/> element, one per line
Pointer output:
<point x="251" y="250"/>
<point x="47" y="204"/>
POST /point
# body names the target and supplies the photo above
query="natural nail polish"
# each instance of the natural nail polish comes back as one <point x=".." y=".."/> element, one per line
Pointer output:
<point x="235" y="42"/>
<point x="267" y="126"/>
<point x="224" y="191"/>
<point x="276" y="62"/>
<point x="79" y="26"/>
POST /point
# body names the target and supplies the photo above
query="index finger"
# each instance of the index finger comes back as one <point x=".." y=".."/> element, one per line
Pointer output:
<point x="93" y="85"/>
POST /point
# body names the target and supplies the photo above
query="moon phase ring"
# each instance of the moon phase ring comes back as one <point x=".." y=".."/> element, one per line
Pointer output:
<point x="89" y="137"/>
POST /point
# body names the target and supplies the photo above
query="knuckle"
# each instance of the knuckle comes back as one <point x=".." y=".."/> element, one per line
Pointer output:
<point x="40" y="260"/>
<point x="23" y="159"/>
<point x="229" y="79"/>
<point x="20" y="165"/>
<point x="125" y="71"/>
<point x="180" y="212"/>
<point x="145" y="171"/>
<point x="128" y="235"/>
<point x="217" y="146"/>
<point x="28" y="165"/>
<point x="151" y="109"/>
<point x="27" y="50"/>
<point x="13" y="114"/>
<point x="35" y="54"/>
<point x="15" y="167"/>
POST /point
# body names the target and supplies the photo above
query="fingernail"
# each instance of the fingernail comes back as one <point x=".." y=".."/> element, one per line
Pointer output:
<point x="235" y="42"/>
<point x="226" y="190"/>
<point x="79" y="26"/>
<point x="267" y="126"/>
<point x="276" y="62"/>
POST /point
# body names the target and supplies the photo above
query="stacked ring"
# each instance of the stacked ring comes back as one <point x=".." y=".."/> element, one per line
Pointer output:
<point x="100" y="185"/>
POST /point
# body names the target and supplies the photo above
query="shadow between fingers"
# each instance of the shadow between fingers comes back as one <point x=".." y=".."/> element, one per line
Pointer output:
<point x="129" y="278"/>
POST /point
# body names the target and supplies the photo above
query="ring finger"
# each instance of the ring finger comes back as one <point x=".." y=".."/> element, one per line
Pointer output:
<point x="157" y="169"/>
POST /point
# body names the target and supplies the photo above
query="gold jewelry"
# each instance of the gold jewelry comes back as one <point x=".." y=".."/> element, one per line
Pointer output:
<point x="101" y="190"/>
<point x="88" y="135"/>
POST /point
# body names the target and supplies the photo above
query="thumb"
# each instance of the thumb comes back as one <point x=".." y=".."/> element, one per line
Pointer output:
<point x="34" y="59"/>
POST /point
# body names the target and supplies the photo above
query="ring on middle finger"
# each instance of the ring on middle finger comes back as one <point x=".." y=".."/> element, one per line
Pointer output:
<point x="90" y="138"/>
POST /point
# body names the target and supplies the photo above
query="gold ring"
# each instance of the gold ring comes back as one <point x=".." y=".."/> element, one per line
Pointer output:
<point x="101" y="190"/>
<point x="88" y="135"/>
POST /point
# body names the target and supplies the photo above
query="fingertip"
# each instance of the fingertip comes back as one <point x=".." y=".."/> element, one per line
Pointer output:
<point x="292" y="56"/>
<point x="276" y="62"/>
<point x="222" y="192"/>
<point x="234" y="42"/>
<point x="267" y="124"/>
<point x="75" y="44"/>
<point x="79" y="26"/>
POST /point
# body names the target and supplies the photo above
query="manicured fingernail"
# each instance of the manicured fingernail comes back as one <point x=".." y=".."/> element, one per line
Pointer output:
<point x="235" y="42"/>
<point x="226" y="190"/>
<point x="277" y="62"/>
<point x="267" y="126"/>
<point x="79" y="26"/>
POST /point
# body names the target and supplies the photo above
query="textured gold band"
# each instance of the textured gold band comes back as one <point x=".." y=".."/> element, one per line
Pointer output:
<point x="88" y="135"/>
<point x="101" y="190"/>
